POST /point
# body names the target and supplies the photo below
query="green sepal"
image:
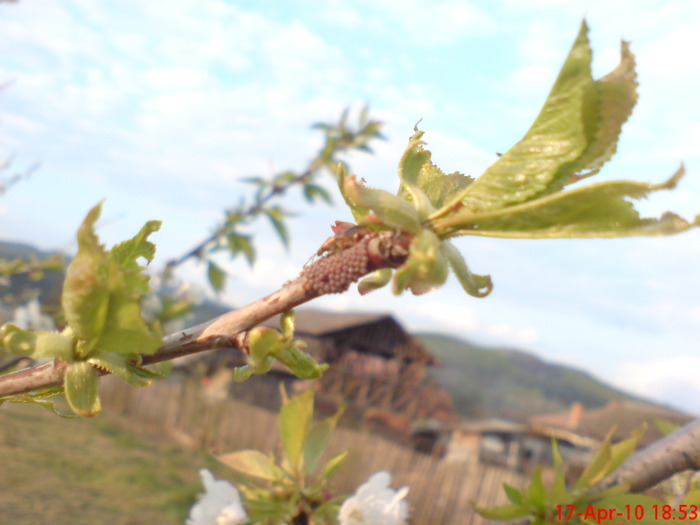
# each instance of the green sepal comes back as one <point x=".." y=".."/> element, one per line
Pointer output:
<point x="380" y="208"/>
<point x="122" y="365"/>
<point x="299" y="362"/>
<point x="82" y="385"/>
<point x="475" y="285"/>
<point x="426" y="267"/>
<point x="85" y="297"/>
<point x="374" y="281"/>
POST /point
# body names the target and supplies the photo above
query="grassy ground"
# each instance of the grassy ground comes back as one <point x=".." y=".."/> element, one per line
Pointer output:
<point x="77" y="471"/>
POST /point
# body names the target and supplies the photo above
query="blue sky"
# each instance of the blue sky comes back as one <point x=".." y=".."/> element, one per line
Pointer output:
<point x="163" y="110"/>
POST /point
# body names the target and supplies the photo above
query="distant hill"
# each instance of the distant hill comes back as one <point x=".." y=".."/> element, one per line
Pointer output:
<point x="511" y="384"/>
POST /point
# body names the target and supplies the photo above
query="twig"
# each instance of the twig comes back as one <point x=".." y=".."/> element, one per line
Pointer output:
<point x="332" y="273"/>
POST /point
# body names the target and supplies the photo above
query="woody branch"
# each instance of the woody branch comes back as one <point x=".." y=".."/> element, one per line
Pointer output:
<point x="334" y="272"/>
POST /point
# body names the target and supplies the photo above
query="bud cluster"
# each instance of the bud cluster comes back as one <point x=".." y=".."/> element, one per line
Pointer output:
<point x="335" y="272"/>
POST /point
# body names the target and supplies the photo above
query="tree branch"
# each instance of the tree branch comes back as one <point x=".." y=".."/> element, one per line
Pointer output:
<point x="676" y="452"/>
<point x="332" y="273"/>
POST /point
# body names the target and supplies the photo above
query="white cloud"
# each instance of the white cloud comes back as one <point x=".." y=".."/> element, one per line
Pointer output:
<point x="673" y="379"/>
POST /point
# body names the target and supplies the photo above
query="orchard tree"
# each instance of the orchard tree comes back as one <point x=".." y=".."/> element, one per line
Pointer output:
<point x="403" y="240"/>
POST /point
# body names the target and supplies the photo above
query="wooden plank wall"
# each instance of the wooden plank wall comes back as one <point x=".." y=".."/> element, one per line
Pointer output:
<point x="439" y="492"/>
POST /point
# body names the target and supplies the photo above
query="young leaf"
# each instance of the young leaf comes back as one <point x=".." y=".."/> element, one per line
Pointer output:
<point x="389" y="210"/>
<point x="334" y="464"/>
<point x="536" y="492"/>
<point x="557" y="138"/>
<point x="126" y="256"/>
<point x="294" y="420"/>
<point x="276" y="216"/>
<point x="514" y="495"/>
<point x="85" y="297"/>
<point x="410" y="166"/>
<point x="252" y="463"/>
<point x="596" y="210"/>
<point x="217" y="277"/>
<point x="426" y="267"/>
<point x="504" y="512"/>
<point x="317" y="440"/>
<point x="82" y="383"/>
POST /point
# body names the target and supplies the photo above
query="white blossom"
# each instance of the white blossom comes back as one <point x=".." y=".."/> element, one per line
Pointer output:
<point x="375" y="503"/>
<point x="219" y="505"/>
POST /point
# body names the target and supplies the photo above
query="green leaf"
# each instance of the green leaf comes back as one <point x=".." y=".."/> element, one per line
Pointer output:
<point x="374" y="281"/>
<point x="665" y="426"/>
<point x="294" y="421"/>
<point x="623" y="502"/>
<point x="85" y="297"/>
<point x="252" y="463"/>
<point x="536" y="492"/>
<point x="334" y="464"/>
<point x="614" y="96"/>
<point x="475" y="285"/>
<point x="39" y="398"/>
<point x="217" y="276"/>
<point x="514" y="495"/>
<point x="620" y="451"/>
<point x="241" y="243"/>
<point x="276" y="216"/>
<point x="126" y="255"/>
<point x="314" y="192"/>
<point x="504" y="512"/>
<point x="82" y="383"/>
<point x="122" y="366"/>
<point x="597" y="468"/>
<point x="410" y="166"/>
<point x="299" y="362"/>
<point x="317" y="440"/>
<point x="597" y="210"/>
<point x="387" y="209"/>
<point x="557" y="137"/>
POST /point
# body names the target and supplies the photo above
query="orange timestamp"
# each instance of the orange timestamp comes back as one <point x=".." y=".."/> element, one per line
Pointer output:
<point x="628" y="512"/>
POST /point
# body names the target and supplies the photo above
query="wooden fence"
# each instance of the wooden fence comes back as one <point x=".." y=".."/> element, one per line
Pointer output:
<point x="440" y="492"/>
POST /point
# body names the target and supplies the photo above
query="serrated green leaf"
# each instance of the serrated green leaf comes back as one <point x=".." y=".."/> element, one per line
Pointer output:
<point x="374" y="281"/>
<point x="126" y="255"/>
<point x="294" y="421"/>
<point x="85" y="297"/>
<point x="216" y="276"/>
<point x="557" y="137"/>
<point x="82" y="383"/>
<point x="252" y="463"/>
<point x="475" y="285"/>
<point x="410" y="166"/>
<point x="276" y="216"/>
<point x="597" y="210"/>
<point x="386" y="209"/>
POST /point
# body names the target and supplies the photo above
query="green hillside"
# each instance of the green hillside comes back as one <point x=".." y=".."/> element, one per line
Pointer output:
<point x="500" y="382"/>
